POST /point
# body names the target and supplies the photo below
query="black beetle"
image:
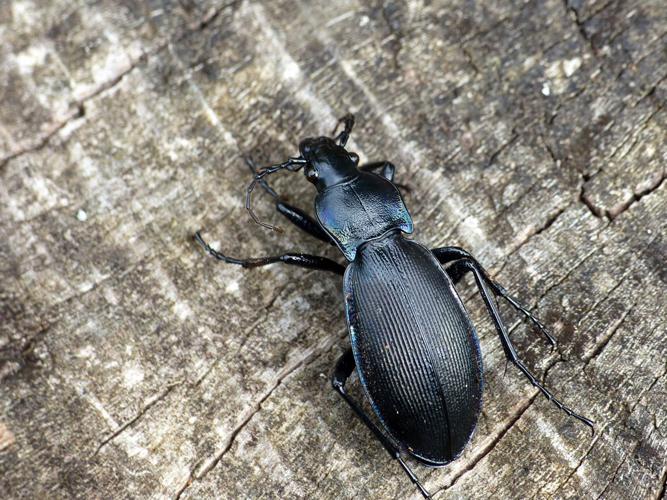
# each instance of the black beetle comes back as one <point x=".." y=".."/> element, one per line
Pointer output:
<point x="415" y="348"/>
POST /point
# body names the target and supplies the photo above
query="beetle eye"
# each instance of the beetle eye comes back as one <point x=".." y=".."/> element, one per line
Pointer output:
<point x="311" y="174"/>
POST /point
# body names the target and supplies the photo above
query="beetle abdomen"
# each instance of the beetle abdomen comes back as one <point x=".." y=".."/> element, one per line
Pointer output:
<point x="416" y="351"/>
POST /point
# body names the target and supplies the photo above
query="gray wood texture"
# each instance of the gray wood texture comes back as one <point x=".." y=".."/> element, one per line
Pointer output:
<point x="532" y="133"/>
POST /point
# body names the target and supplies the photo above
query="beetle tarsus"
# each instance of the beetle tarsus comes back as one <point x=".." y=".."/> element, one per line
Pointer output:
<point x="481" y="279"/>
<point x="547" y="393"/>
<point x="294" y="259"/>
<point x="413" y="478"/>
<point x="342" y="138"/>
<point x="344" y="369"/>
<point x="499" y="290"/>
<point x="212" y="252"/>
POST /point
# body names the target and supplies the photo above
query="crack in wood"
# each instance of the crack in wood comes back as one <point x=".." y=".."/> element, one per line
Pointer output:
<point x="581" y="461"/>
<point x="588" y="203"/>
<point x="76" y="113"/>
<point x="614" y="212"/>
<point x="204" y="466"/>
<point x="531" y="233"/>
<point x="605" y="340"/>
<point x="618" y="468"/>
<point x="153" y="401"/>
<point x="606" y="425"/>
<point x="581" y="26"/>
<point x="478" y="457"/>
<point x="514" y="136"/>
<point x="78" y="110"/>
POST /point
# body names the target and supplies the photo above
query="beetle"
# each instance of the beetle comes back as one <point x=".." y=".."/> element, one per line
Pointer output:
<point x="413" y="344"/>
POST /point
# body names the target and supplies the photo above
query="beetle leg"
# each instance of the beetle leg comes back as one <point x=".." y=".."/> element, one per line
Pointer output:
<point x="295" y="215"/>
<point x="294" y="259"/>
<point x="387" y="169"/>
<point x="448" y="254"/>
<point x="348" y="121"/>
<point x="344" y="369"/>
<point x="467" y="265"/>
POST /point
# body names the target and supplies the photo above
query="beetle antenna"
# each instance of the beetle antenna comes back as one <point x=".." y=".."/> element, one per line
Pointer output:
<point x="342" y="138"/>
<point x="293" y="165"/>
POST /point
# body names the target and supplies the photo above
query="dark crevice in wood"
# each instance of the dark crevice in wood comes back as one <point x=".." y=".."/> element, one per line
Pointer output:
<point x="77" y="113"/>
<point x="608" y="294"/>
<point x="551" y="152"/>
<point x="74" y="114"/>
<point x="550" y="221"/>
<point x="614" y="212"/>
<point x="470" y="59"/>
<point x="581" y="461"/>
<point x="650" y="93"/>
<point x="618" y="468"/>
<point x="231" y="438"/>
<point x="606" y="425"/>
<point x="494" y="156"/>
<point x="204" y="466"/>
<point x="513" y="419"/>
<point x="587" y="202"/>
<point x="580" y="24"/>
<point x="78" y="110"/>
<point x="605" y="340"/>
<point x="648" y="389"/>
<point x="137" y="417"/>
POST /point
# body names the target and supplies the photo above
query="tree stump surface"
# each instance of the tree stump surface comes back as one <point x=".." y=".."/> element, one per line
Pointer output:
<point x="131" y="366"/>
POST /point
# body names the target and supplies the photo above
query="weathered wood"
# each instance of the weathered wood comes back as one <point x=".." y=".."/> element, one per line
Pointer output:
<point x="532" y="133"/>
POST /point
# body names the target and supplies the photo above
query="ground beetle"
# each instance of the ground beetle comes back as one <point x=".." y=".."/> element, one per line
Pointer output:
<point x="414" y="346"/>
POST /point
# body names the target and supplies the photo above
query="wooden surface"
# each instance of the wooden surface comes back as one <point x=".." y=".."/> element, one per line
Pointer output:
<point x="131" y="366"/>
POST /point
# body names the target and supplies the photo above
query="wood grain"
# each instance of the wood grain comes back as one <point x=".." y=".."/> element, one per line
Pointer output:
<point x="531" y="133"/>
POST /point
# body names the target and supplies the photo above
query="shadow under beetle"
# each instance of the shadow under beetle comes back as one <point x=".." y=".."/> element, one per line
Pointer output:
<point x="414" y="346"/>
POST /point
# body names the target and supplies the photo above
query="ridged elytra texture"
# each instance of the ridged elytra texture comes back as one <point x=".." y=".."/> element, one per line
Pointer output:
<point x="416" y="351"/>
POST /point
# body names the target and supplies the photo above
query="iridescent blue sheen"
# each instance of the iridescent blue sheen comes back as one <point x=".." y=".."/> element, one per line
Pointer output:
<point x="361" y="209"/>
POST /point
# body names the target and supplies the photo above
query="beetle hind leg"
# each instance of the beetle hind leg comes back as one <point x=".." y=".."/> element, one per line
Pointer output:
<point x="465" y="265"/>
<point x="449" y="254"/>
<point x="344" y="369"/>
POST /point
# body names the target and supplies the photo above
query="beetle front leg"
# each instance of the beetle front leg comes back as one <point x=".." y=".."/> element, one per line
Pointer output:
<point x="294" y="259"/>
<point x="344" y="369"/>
<point x="465" y="265"/>
<point x="348" y="123"/>
<point x="449" y="254"/>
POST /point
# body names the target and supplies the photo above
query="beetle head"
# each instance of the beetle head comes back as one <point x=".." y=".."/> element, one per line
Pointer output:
<point x="328" y="163"/>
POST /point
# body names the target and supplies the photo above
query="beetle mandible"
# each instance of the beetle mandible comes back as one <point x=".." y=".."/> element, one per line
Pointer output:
<point x="413" y="343"/>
